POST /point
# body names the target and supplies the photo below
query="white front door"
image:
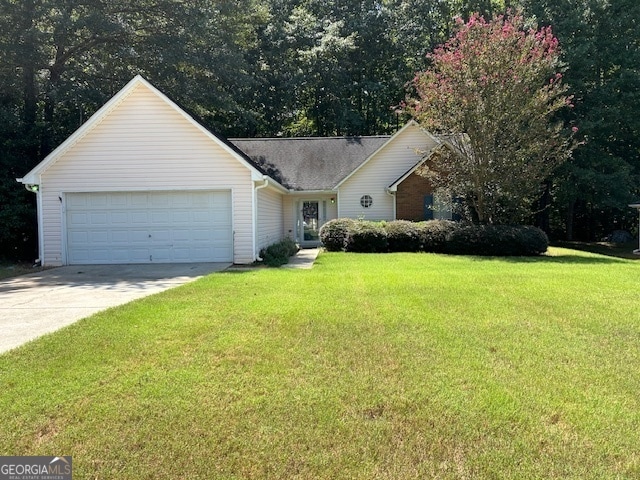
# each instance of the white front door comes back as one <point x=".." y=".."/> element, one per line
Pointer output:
<point x="310" y="216"/>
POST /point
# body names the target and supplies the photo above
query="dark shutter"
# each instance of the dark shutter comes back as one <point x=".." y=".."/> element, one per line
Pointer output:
<point x="428" y="207"/>
<point x="457" y="209"/>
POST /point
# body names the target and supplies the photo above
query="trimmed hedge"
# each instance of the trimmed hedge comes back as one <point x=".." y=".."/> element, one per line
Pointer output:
<point x="497" y="240"/>
<point x="403" y="236"/>
<point x="278" y="254"/>
<point x="437" y="236"/>
<point x="334" y="233"/>
<point x="434" y="234"/>
<point x="367" y="237"/>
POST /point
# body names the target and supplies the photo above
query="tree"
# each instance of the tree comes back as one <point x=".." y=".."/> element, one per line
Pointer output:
<point x="601" y="47"/>
<point x="495" y="90"/>
<point x="61" y="60"/>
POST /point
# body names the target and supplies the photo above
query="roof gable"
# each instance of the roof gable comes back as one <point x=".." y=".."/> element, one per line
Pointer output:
<point x="410" y="124"/>
<point x="33" y="177"/>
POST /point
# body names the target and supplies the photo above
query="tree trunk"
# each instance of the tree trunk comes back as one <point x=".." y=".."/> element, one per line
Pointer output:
<point x="569" y="219"/>
<point x="544" y="204"/>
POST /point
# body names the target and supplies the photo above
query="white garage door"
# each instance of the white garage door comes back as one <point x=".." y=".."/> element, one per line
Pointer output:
<point x="149" y="227"/>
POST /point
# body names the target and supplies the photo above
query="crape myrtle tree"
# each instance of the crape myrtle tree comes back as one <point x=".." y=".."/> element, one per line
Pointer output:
<point x="494" y="91"/>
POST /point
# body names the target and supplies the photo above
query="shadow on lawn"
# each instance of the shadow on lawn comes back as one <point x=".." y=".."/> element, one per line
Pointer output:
<point x="618" y="250"/>
<point x="567" y="258"/>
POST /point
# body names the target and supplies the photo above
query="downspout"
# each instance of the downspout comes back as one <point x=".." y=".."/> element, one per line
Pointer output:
<point x="256" y="254"/>
<point x="637" y="206"/>
<point x="33" y="188"/>
<point x="393" y="194"/>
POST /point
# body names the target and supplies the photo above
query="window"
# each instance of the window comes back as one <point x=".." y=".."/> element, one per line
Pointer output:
<point x="442" y="206"/>
<point x="366" y="201"/>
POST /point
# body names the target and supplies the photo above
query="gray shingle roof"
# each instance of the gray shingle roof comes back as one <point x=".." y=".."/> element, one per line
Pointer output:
<point x="309" y="163"/>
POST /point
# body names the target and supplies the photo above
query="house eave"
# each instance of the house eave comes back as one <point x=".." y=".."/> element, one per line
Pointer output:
<point x="312" y="192"/>
<point x="271" y="182"/>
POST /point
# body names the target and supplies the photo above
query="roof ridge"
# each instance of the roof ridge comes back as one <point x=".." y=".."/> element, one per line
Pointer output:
<point x="244" y="139"/>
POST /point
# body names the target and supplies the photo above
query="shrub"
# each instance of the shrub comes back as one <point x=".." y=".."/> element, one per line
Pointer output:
<point x="497" y="240"/>
<point x="334" y="233"/>
<point x="403" y="236"/>
<point x="278" y="253"/>
<point x="434" y="234"/>
<point x="532" y="241"/>
<point x="366" y="237"/>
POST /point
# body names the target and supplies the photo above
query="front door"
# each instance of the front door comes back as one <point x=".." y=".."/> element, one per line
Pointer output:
<point x="310" y="225"/>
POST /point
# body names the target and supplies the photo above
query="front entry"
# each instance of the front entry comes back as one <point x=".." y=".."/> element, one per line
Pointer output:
<point x="309" y="225"/>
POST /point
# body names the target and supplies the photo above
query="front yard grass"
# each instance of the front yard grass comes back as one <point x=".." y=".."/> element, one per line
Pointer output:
<point x="13" y="269"/>
<point x="398" y="366"/>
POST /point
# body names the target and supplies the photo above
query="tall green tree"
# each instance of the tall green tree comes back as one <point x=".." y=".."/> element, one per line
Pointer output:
<point x="601" y="47"/>
<point x="337" y="67"/>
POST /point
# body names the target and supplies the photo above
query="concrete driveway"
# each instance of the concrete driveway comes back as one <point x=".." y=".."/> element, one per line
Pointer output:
<point x="39" y="303"/>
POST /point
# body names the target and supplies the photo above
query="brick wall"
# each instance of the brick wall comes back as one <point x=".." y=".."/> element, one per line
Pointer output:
<point x="410" y="197"/>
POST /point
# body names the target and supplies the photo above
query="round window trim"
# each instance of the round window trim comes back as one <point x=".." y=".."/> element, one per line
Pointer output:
<point x="366" y="201"/>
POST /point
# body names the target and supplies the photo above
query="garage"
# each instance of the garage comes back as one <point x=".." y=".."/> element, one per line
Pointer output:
<point x="148" y="227"/>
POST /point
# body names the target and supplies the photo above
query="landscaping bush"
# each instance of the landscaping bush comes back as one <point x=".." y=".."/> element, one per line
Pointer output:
<point x="334" y="233"/>
<point x="434" y="234"/>
<point x="366" y="237"/>
<point x="532" y="241"/>
<point x="403" y="236"/>
<point x="278" y="254"/>
<point x="497" y="240"/>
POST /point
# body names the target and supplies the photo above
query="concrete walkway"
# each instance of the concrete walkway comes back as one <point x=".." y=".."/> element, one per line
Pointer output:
<point x="303" y="259"/>
<point x="39" y="303"/>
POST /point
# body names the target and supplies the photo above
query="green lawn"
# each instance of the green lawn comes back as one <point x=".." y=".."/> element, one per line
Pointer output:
<point x="398" y="366"/>
<point x="9" y="269"/>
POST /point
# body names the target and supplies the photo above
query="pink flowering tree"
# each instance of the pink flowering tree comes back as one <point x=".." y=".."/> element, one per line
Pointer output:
<point x="494" y="92"/>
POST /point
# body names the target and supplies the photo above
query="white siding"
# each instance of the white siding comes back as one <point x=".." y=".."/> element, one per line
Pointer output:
<point x="289" y="216"/>
<point x="270" y="217"/>
<point x="401" y="153"/>
<point x="145" y="144"/>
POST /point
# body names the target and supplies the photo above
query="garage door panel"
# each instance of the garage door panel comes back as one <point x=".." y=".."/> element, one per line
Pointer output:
<point x="120" y="255"/>
<point x="78" y="237"/>
<point x="118" y="199"/>
<point x="157" y="200"/>
<point x="143" y="227"/>
<point x="135" y="254"/>
<point x="77" y="219"/>
<point x="182" y="254"/>
<point x="139" y="217"/>
<point x="99" y="219"/>
<point x="179" y="218"/>
<point x="99" y="237"/>
<point x="140" y="200"/>
<point x="98" y="200"/>
<point x="119" y="218"/>
<point x="120" y="237"/>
